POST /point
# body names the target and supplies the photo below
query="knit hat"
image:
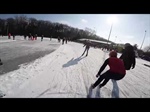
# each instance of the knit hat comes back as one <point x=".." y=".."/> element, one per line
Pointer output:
<point x="113" y="54"/>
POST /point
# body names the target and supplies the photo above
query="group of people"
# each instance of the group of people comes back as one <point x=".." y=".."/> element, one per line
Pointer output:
<point x="118" y="66"/>
<point x="9" y="36"/>
<point x="31" y="37"/>
<point x="64" y="40"/>
<point x="34" y="37"/>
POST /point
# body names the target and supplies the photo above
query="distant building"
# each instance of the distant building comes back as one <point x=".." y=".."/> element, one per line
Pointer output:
<point x="95" y="43"/>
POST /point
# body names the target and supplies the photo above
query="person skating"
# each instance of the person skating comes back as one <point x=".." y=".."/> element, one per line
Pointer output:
<point x="36" y="37"/>
<point x="116" y="72"/>
<point x="128" y="57"/>
<point x="1" y="62"/>
<point x="87" y="47"/>
<point x="66" y="40"/>
<point x="58" y="39"/>
<point x="42" y="38"/>
<point x="13" y="37"/>
<point x="9" y="36"/>
<point x="63" y="40"/>
<point x="30" y="36"/>
<point x="25" y="37"/>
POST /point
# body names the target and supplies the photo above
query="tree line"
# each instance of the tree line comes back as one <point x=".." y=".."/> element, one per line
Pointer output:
<point x="21" y="25"/>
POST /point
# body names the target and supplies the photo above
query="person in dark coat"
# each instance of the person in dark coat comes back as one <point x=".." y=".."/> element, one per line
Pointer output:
<point x="1" y="62"/>
<point x="25" y="37"/>
<point x="13" y="37"/>
<point x="58" y="39"/>
<point x="66" y="40"/>
<point x="30" y="36"/>
<point x="36" y="37"/>
<point x="87" y="47"/>
<point x="128" y="57"/>
<point x="42" y="38"/>
<point x="63" y="40"/>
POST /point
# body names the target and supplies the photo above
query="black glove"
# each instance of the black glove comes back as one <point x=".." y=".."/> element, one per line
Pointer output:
<point x="98" y="75"/>
<point x="133" y="67"/>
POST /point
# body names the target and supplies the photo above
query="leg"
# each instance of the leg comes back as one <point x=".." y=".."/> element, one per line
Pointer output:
<point x="97" y="82"/>
<point x="104" y="82"/>
<point x="113" y="76"/>
<point x="103" y="76"/>
<point x="84" y="52"/>
<point x="87" y="51"/>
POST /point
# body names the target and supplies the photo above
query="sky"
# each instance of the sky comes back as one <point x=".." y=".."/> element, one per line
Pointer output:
<point x="126" y="28"/>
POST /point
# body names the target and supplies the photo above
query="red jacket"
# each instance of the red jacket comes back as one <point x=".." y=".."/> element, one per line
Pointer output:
<point x="116" y="66"/>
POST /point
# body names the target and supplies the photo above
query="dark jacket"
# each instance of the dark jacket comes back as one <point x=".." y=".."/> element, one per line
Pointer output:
<point x="128" y="57"/>
<point x="1" y="62"/>
<point x="87" y="45"/>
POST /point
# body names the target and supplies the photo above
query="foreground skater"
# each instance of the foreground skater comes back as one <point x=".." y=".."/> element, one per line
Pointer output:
<point x="116" y="72"/>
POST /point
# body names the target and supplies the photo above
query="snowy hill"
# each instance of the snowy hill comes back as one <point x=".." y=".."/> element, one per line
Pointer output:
<point x="65" y="74"/>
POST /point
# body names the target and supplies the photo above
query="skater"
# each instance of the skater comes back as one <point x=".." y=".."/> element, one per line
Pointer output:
<point x="36" y="37"/>
<point x="1" y="62"/>
<point x="58" y="39"/>
<point x="87" y="47"/>
<point x="25" y="37"/>
<point x="9" y="36"/>
<point x="128" y="57"/>
<point x="63" y="40"/>
<point x="30" y="36"/>
<point x="42" y="38"/>
<point x="116" y="72"/>
<point x="13" y="37"/>
<point x="66" y="40"/>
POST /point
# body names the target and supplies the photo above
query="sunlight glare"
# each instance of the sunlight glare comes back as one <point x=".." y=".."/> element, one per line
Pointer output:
<point x="112" y="19"/>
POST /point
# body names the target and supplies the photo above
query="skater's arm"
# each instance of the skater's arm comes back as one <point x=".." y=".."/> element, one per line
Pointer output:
<point x="121" y="57"/>
<point x="134" y="61"/>
<point x="123" y="53"/>
<point x="103" y="66"/>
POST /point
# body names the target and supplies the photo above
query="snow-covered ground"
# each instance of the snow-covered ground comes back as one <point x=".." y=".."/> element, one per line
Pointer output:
<point x="20" y="51"/>
<point x="65" y="74"/>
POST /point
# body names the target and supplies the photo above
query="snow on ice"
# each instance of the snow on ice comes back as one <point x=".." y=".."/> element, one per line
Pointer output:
<point x="64" y="73"/>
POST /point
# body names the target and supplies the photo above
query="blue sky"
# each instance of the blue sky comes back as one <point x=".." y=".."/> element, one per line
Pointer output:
<point x="126" y="27"/>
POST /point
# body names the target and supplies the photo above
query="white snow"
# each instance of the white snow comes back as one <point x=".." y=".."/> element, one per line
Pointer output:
<point x="2" y="41"/>
<point x="64" y="74"/>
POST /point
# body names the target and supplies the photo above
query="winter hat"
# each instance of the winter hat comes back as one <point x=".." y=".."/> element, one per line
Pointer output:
<point x="127" y="44"/>
<point x="113" y="54"/>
